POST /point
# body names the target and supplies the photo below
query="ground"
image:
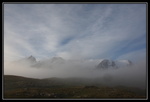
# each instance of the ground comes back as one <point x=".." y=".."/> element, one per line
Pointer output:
<point x="20" y="87"/>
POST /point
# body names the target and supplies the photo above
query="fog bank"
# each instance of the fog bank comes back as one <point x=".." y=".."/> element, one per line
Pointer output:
<point x="133" y="76"/>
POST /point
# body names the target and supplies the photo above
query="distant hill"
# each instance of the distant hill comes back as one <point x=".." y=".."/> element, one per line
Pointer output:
<point x="12" y="81"/>
<point x="22" y="87"/>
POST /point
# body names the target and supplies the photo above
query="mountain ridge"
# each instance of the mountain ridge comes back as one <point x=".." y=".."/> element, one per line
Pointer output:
<point x="96" y="63"/>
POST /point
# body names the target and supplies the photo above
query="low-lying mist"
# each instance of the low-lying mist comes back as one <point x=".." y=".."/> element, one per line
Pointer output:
<point x="133" y="76"/>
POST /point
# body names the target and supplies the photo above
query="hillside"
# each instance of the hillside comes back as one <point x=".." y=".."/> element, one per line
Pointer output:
<point x="21" y="87"/>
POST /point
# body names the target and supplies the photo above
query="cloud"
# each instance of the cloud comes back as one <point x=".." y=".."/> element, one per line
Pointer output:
<point x="135" y="56"/>
<point x="133" y="76"/>
<point x="73" y="30"/>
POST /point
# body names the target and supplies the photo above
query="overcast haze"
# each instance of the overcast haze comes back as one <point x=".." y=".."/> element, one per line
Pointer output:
<point x="115" y="31"/>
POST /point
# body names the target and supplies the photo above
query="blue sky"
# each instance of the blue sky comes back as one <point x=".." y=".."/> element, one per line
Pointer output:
<point x="115" y="31"/>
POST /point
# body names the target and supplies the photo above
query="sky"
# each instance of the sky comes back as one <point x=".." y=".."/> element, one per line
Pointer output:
<point x="75" y="31"/>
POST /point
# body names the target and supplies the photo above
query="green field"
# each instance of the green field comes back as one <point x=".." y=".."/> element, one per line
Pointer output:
<point x="69" y="88"/>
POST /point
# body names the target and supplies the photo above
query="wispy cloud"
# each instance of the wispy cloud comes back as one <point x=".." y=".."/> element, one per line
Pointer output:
<point x="74" y="30"/>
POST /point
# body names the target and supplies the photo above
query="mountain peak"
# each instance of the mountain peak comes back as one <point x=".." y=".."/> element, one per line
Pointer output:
<point x="105" y="64"/>
<point x="31" y="58"/>
<point x="57" y="59"/>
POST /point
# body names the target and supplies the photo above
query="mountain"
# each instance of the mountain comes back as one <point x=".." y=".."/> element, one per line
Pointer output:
<point x="105" y="64"/>
<point x="56" y="62"/>
<point x="31" y="60"/>
<point x="49" y="63"/>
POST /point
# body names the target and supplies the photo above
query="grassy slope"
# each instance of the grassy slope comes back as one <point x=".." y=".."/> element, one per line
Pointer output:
<point x="21" y="87"/>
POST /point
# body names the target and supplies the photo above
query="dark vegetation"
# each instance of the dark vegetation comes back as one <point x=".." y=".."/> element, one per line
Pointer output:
<point x="73" y="88"/>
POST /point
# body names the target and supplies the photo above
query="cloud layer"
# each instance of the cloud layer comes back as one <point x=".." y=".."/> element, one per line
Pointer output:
<point x="131" y="76"/>
<point x="74" y="30"/>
